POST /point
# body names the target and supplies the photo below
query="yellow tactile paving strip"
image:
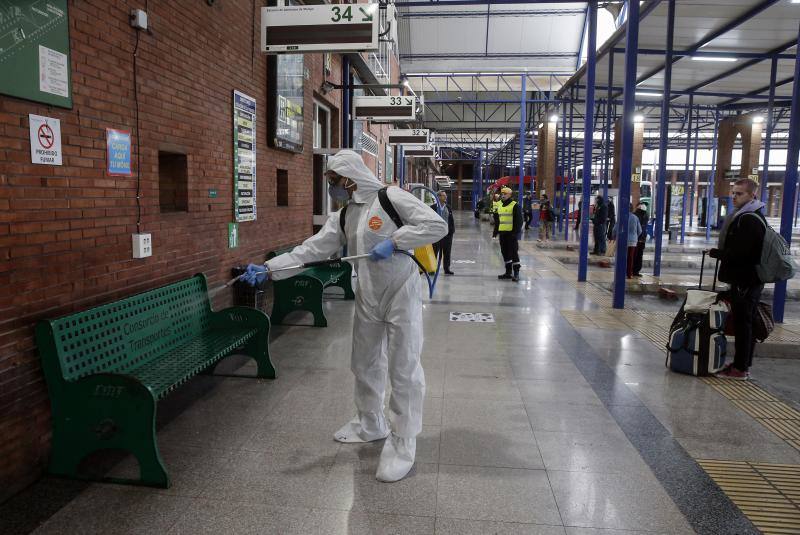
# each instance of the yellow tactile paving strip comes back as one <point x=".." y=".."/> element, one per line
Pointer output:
<point x="769" y="494"/>
<point x="772" y="413"/>
<point x="653" y="325"/>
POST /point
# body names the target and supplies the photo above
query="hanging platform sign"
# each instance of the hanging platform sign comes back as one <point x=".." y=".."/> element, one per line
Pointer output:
<point x="244" y="157"/>
<point x="410" y="136"/>
<point x="385" y="109"/>
<point x="419" y="151"/>
<point x="320" y="28"/>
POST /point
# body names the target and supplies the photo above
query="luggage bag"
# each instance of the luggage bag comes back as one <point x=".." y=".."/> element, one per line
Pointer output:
<point x="696" y="343"/>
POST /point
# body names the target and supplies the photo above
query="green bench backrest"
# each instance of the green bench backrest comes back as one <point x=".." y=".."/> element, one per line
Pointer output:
<point x="122" y="335"/>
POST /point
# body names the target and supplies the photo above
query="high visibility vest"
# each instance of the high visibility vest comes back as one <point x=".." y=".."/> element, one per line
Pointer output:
<point x="506" y="214"/>
<point x="496" y="205"/>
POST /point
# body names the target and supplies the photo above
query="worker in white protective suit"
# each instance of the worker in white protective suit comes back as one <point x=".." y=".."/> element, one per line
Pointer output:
<point x="388" y="305"/>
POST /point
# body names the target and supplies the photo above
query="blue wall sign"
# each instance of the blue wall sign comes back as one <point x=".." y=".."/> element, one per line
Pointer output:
<point x="119" y="152"/>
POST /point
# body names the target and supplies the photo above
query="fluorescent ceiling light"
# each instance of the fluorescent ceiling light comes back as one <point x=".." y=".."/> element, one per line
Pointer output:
<point x="759" y="118"/>
<point x="554" y="118"/>
<point x="638" y="118"/>
<point x="714" y="58"/>
<point x="649" y="94"/>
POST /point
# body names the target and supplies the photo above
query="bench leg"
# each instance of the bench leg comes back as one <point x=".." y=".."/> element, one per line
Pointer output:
<point x="104" y="412"/>
<point x="258" y="349"/>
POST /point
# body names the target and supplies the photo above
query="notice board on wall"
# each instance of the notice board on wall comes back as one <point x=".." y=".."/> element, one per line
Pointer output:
<point x="34" y="51"/>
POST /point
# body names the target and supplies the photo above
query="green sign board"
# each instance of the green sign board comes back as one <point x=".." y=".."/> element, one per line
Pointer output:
<point x="212" y="193"/>
<point x="34" y="51"/>
<point x="233" y="235"/>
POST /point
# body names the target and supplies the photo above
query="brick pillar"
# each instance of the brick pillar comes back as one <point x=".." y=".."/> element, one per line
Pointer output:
<point x="729" y="129"/>
<point x="636" y="163"/>
<point x="546" y="160"/>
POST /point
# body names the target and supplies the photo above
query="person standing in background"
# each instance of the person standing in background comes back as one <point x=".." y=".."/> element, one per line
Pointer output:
<point x="641" y="214"/>
<point x="546" y="218"/>
<point x="611" y="231"/>
<point x="445" y="245"/>
<point x="599" y="222"/>
<point x="508" y="225"/>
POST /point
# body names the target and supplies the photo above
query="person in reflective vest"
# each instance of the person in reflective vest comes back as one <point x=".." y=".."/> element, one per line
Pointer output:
<point x="508" y="226"/>
<point x="496" y="203"/>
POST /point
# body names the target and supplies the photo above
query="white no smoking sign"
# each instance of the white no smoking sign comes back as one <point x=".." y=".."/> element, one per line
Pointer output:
<point x="45" y="140"/>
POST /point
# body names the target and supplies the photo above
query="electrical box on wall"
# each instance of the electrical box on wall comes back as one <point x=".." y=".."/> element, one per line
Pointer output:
<point x="142" y="246"/>
<point x="139" y="19"/>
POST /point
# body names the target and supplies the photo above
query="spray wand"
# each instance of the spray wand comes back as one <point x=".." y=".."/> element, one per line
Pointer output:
<point x="309" y="265"/>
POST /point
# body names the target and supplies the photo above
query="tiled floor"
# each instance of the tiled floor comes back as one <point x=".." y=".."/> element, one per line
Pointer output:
<point x="537" y="423"/>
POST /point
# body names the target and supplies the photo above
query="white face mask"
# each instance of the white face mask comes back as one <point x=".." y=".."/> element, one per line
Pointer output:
<point x="338" y="193"/>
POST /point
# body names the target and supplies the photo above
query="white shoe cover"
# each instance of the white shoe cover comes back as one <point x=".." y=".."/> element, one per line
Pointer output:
<point x="397" y="458"/>
<point x="354" y="433"/>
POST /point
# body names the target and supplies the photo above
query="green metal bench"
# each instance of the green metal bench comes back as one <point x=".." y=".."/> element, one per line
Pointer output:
<point x="107" y="367"/>
<point x="304" y="291"/>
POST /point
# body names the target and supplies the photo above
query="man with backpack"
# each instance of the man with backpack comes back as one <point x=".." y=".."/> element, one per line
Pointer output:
<point x="741" y="240"/>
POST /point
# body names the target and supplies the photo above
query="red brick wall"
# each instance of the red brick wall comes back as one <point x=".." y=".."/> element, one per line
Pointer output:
<point x="65" y="232"/>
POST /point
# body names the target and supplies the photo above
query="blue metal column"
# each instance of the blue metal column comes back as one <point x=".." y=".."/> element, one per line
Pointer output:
<point x="479" y="194"/>
<point x="401" y="179"/>
<point x="661" y="189"/>
<point x="588" y="131"/>
<point x="712" y="179"/>
<point x="693" y="193"/>
<point x="610" y="109"/>
<point x="346" y="103"/>
<point x="568" y="178"/>
<point x="789" y="182"/>
<point x="562" y="166"/>
<point x="626" y="153"/>
<point x="686" y="172"/>
<point x="770" y="126"/>
<point x="523" y="116"/>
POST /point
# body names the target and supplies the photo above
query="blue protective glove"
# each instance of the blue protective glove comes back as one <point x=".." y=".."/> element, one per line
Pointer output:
<point x="382" y="251"/>
<point x="255" y="274"/>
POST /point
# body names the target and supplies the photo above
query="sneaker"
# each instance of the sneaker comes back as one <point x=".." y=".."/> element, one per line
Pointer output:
<point x="449" y="273"/>
<point x="504" y="276"/>
<point x="730" y="372"/>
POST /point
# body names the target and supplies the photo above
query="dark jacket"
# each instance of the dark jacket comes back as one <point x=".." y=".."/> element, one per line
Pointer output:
<point x="600" y="216"/>
<point x="642" y="215"/>
<point x="742" y="252"/>
<point x="546" y="211"/>
<point x="517" y="219"/>
<point x="451" y="224"/>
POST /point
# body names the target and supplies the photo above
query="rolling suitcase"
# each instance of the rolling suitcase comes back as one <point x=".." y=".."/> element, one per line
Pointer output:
<point x="696" y="343"/>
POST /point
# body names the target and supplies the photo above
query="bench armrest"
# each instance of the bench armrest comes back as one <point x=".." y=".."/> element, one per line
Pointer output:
<point x="240" y="317"/>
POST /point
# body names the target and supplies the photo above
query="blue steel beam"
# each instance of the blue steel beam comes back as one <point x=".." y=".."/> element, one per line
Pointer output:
<point x="492" y="55"/>
<point x="773" y="73"/>
<point x="754" y="92"/>
<point x="712" y="179"/>
<point x="610" y="110"/>
<point x="742" y="18"/>
<point x="450" y="3"/>
<point x="626" y="156"/>
<point x="661" y="188"/>
<point x="588" y="133"/>
<point x="476" y="14"/>
<point x="686" y="173"/>
<point x="740" y="68"/>
<point x="714" y="54"/>
<point x="568" y="176"/>
<point x="789" y="182"/>
<point x="523" y="115"/>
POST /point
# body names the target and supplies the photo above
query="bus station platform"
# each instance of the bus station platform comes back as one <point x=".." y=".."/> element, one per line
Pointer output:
<point x="554" y="415"/>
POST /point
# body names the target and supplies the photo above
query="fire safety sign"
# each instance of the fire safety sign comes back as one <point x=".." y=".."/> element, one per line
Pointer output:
<point x="45" y="140"/>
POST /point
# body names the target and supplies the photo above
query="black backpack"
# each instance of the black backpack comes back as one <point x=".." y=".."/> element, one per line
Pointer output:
<point x="387" y="206"/>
